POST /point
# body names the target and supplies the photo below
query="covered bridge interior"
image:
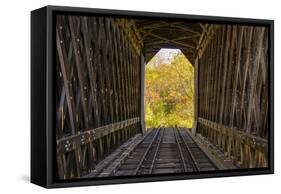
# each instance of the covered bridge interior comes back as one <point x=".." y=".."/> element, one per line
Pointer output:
<point x="100" y="87"/>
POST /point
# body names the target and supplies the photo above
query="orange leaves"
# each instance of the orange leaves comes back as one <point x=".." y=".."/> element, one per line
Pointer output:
<point x="169" y="91"/>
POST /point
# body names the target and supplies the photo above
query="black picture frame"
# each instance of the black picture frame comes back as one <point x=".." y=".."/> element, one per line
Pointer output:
<point x="42" y="97"/>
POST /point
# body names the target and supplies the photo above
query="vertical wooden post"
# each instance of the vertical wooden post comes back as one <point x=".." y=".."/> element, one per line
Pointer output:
<point x="196" y="95"/>
<point x="142" y="80"/>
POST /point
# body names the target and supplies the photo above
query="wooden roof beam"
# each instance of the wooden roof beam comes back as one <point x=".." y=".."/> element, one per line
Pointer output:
<point x="171" y="41"/>
<point x="143" y="27"/>
<point x="185" y="28"/>
<point x="205" y="38"/>
<point x="176" y="39"/>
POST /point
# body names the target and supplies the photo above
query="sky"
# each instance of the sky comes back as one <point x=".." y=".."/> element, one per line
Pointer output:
<point x="166" y="55"/>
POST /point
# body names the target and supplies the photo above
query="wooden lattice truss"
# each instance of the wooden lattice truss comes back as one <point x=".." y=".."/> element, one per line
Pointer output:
<point x="98" y="83"/>
<point x="233" y="91"/>
<point x="98" y="91"/>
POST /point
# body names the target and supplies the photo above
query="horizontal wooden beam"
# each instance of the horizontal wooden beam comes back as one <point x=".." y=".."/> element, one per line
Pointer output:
<point x="253" y="141"/>
<point x="74" y="141"/>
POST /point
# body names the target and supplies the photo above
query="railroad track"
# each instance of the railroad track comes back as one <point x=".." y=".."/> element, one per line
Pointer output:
<point x="164" y="151"/>
<point x="159" y="151"/>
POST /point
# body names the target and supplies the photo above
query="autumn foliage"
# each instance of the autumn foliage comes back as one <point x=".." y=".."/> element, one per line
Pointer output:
<point x="169" y="91"/>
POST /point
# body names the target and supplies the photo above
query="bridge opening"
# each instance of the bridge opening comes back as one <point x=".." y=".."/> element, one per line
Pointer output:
<point x="169" y="90"/>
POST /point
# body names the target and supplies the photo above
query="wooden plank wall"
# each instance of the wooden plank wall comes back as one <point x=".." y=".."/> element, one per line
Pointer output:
<point x="233" y="93"/>
<point x="97" y="90"/>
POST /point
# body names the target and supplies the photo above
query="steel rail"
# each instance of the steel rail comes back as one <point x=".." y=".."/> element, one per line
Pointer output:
<point x="156" y="152"/>
<point x="180" y="150"/>
<point x="117" y="156"/>
<point x="189" y="153"/>
<point x="146" y="152"/>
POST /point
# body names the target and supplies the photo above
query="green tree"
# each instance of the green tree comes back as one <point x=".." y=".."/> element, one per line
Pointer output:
<point x="169" y="92"/>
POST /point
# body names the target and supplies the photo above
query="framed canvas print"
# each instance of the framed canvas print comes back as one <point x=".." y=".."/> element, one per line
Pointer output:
<point x="125" y="96"/>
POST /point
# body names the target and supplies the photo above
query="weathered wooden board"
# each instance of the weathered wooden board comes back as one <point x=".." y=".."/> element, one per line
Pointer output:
<point x="97" y="90"/>
<point x="233" y="92"/>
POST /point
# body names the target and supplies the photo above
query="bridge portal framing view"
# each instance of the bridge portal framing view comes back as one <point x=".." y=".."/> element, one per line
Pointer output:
<point x="100" y="113"/>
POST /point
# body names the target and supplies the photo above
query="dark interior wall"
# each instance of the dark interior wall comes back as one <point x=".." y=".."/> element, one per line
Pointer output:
<point x="97" y="91"/>
<point x="233" y="93"/>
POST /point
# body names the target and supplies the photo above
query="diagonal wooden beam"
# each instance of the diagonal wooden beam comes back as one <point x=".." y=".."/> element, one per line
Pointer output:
<point x="65" y="75"/>
<point x="91" y="71"/>
<point x="254" y="77"/>
<point x="172" y="41"/>
<point x="185" y="28"/>
<point x="144" y="27"/>
<point x="82" y="85"/>
<point x="167" y="41"/>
